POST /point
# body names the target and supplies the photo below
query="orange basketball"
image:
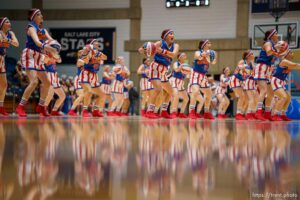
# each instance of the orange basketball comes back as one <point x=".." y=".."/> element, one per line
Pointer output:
<point x="54" y="44"/>
<point x="282" y="47"/>
<point x="117" y="69"/>
<point x="185" y="69"/>
<point x="150" y="48"/>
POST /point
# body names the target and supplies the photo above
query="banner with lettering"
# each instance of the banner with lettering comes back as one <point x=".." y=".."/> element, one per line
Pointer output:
<point x="74" y="39"/>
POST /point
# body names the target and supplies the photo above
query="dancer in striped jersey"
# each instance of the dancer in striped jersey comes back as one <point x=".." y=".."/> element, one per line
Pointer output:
<point x="166" y="51"/>
<point x="198" y="81"/>
<point x="146" y="86"/>
<point x="7" y="39"/>
<point x="32" y="59"/>
<point x="220" y="93"/>
<point x="177" y="83"/>
<point x="50" y="66"/>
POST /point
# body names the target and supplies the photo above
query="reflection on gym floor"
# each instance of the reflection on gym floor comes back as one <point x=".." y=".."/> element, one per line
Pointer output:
<point x="141" y="159"/>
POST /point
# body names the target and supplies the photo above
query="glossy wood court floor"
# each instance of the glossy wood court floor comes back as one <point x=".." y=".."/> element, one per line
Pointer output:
<point x="134" y="158"/>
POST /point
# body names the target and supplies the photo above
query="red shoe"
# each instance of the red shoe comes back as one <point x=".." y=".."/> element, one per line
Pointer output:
<point x="118" y="113"/>
<point x="123" y="114"/>
<point x="285" y="118"/>
<point x="224" y="116"/>
<point x="21" y="111"/>
<point x="44" y="112"/>
<point x="143" y="113"/>
<point x="193" y="114"/>
<point x="110" y="113"/>
<point x="85" y="113"/>
<point x="249" y="116"/>
<point x="56" y="113"/>
<point x="268" y="115"/>
<point x="240" y="117"/>
<point x="220" y="116"/>
<point x="182" y="115"/>
<point x="3" y="112"/>
<point x="199" y="116"/>
<point x="208" y="115"/>
<point x="152" y="115"/>
<point x="259" y="115"/>
<point x="165" y="114"/>
<point x="157" y="115"/>
<point x="97" y="113"/>
<point x="173" y="115"/>
<point x="72" y="113"/>
<point x="39" y="109"/>
<point x="276" y="118"/>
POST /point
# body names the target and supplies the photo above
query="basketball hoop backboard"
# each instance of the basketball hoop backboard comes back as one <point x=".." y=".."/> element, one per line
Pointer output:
<point x="287" y="31"/>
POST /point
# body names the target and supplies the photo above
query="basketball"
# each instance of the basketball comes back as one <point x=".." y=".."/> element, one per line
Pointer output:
<point x="282" y="47"/>
<point x="117" y="69"/>
<point x="186" y="69"/>
<point x="150" y="48"/>
<point x="54" y="44"/>
<point x="211" y="56"/>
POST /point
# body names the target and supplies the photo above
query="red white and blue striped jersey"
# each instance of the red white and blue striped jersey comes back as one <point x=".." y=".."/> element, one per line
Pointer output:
<point x="106" y="80"/>
<point x="143" y="74"/>
<point x="120" y="77"/>
<point x="41" y="34"/>
<point x="78" y="71"/>
<point x="93" y="64"/>
<point x="179" y="74"/>
<point x="281" y="72"/>
<point x="3" y="49"/>
<point x="201" y="66"/>
<point x="51" y="67"/>
<point x="264" y="58"/>
<point x="244" y="74"/>
<point x="163" y="59"/>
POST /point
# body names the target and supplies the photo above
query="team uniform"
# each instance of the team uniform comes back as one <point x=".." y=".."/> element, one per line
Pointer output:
<point x="177" y="80"/>
<point x="32" y="57"/>
<point x="222" y="87"/>
<point x="125" y="90"/>
<point x="279" y="78"/>
<point x="200" y="69"/>
<point x="3" y="54"/>
<point x="160" y="66"/>
<point x="118" y="84"/>
<point x="89" y="74"/>
<point x="106" y="85"/>
<point x="249" y="83"/>
<point x="242" y="78"/>
<point x="52" y="74"/>
<point x="77" y="85"/>
<point x="236" y="80"/>
<point x="264" y="63"/>
<point x="145" y="84"/>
